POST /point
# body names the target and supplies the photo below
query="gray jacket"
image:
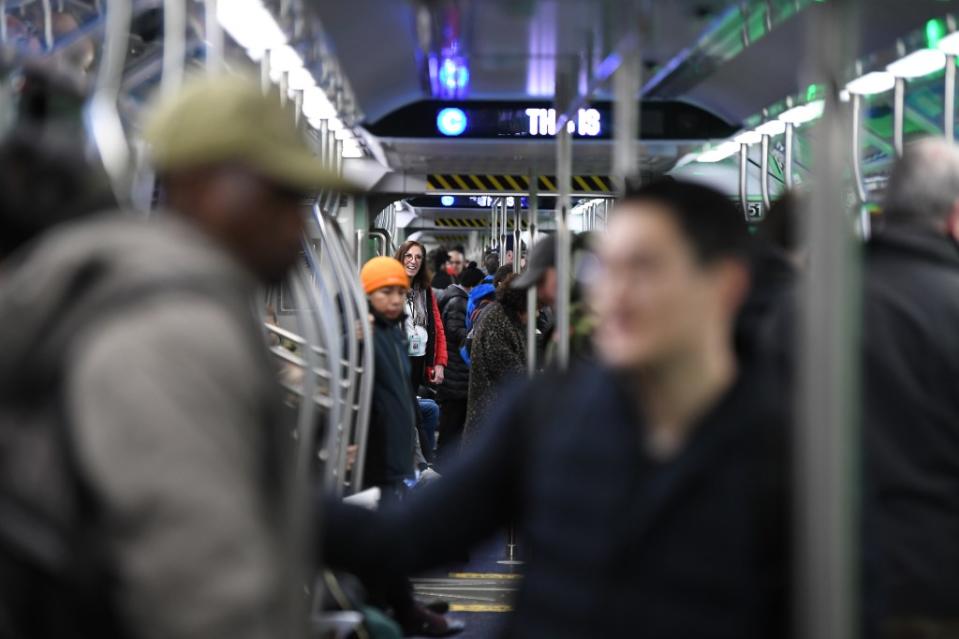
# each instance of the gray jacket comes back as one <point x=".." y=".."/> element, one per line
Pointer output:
<point x="172" y="403"/>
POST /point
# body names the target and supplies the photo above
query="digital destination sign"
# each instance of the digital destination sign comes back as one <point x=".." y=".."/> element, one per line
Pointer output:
<point x="537" y="121"/>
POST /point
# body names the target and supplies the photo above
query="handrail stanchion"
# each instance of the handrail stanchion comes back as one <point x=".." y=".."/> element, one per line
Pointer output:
<point x="103" y="116"/>
<point x="47" y="25"/>
<point x="360" y="237"/>
<point x="503" y="230"/>
<point x="301" y="508"/>
<point x="531" y="307"/>
<point x="329" y="454"/>
<point x="898" y="115"/>
<point x="857" y="149"/>
<point x="348" y="317"/>
<point x="494" y="232"/>
<point x="214" y="37"/>
<point x="3" y="22"/>
<point x="564" y="161"/>
<point x="764" y="170"/>
<point x="744" y="179"/>
<point x="517" y="229"/>
<point x="827" y="438"/>
<point x="949" y="103"/>
<point x="174" y="45"/>
<point x="788" y="140"/>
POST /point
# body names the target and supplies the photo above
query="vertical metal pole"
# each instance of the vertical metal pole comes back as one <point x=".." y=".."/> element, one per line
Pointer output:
<point x="298" y="108"/>
<point x="494" y="223"/>
<point x="856" y="148"/>
<point x="214" y="37"/>
<point x="764" y="170"/>
<point x="743" y="179"/>
<point x="531" y="306"/>
<point x="3" y="22"/>
<point x="47" y="25"/>
<point x="626" y="87"/>
<point x="949" y="105"/>
<point x="358" y="249"/>
<point x="517" y="229"/>
<point x="265" y="72"/>
<point x="898" y="112"/>
<point x="790" y="133"/>
<point x="503" y="231"/>
<point x="826" y="438"/>
<point x="564" y="161"/>
<point x="174" y="45"/>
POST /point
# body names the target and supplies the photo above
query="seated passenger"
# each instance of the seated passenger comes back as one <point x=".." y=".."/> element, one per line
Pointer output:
<point x="169" y="390"/>
<point x="497" y="354"/>
<point x="649" y="488"/>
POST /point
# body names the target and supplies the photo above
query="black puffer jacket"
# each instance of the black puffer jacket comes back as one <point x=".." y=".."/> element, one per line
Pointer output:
<point x="911" y="416"/>
<point x="457" y="375"/>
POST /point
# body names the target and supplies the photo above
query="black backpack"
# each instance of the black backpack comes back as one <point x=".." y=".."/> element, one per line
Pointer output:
<point x="57" y="579"/>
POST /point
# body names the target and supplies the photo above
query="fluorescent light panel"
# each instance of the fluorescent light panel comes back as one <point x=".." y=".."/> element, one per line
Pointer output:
<point x="748" y="137"/>
<point x="771" y="128"/>
<point x="803" y="113"/>
<point x="719" y="153"/>
<point x="872" y="83"/>
<point x="918" y="63"/>
<point x="950" y="44"/>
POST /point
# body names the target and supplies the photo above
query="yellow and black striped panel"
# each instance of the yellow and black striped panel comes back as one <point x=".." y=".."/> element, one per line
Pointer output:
<point x="472" y="222"/>
<point x="467" y="183"/>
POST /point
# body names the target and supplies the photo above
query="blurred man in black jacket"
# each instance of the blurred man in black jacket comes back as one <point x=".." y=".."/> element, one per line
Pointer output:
<point x="648" y="489"/>
<point x="911" y="378"/>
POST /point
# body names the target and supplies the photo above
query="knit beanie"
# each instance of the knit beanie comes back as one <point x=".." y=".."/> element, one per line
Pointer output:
<point x="383" y="271"/>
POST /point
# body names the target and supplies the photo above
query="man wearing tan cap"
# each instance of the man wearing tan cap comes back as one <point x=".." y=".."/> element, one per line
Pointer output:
<point x="167" y="387"/>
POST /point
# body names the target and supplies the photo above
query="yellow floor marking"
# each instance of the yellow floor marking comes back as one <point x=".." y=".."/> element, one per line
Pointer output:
<point x="484" y="575"/>
<point x="480" y="608"/>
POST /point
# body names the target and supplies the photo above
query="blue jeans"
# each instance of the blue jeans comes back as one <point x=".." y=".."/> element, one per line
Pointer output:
<point x="430" y="411"/>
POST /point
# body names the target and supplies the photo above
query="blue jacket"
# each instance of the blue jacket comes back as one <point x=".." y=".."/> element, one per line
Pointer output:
<point x="477" y="295"/>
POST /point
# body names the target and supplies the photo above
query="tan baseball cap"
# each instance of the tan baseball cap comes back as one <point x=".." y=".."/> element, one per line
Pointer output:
<point x="228" y="119"/>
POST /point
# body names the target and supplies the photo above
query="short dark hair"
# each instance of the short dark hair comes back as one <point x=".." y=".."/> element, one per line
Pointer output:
<point x="502" y="273"/>
<point x="491" y="263"/>
<point x="713" y="225"/>
<point x="471" y="276"/>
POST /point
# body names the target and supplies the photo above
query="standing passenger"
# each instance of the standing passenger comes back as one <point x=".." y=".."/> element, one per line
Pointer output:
<point x="424" y="326"/>
<point x="498" y="353"/>
<point x="455" y="389"/>
<point x="389" y="453"/>
<point x="648" y="487"/>
<point x="170" y="393"/>
<point x="911" y="410"/>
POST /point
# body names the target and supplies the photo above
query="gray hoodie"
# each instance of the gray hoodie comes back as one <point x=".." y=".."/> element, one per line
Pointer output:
<point x="172" y="402"/>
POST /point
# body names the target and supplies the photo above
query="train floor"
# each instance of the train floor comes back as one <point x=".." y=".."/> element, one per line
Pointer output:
<point x="480" y="591"/>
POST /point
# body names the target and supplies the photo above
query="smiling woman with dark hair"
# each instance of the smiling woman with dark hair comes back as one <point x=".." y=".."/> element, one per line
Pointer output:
<point x="425" y="336"/>
<point x="498" y="352"/>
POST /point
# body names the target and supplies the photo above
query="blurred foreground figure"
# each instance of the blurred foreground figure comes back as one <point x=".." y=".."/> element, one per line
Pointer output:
<point x="648" y="490"/>
<point x="141" y="339"/>
<point x="911" y="378"/>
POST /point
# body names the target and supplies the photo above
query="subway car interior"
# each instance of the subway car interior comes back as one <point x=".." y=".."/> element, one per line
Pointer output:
<point x="485" y="198"/>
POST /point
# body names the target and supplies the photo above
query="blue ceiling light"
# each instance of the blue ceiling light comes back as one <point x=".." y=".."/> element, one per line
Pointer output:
<point x="451" y="121"/>
<point x="454" y="75"/>
<point x="447" y="200"/>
